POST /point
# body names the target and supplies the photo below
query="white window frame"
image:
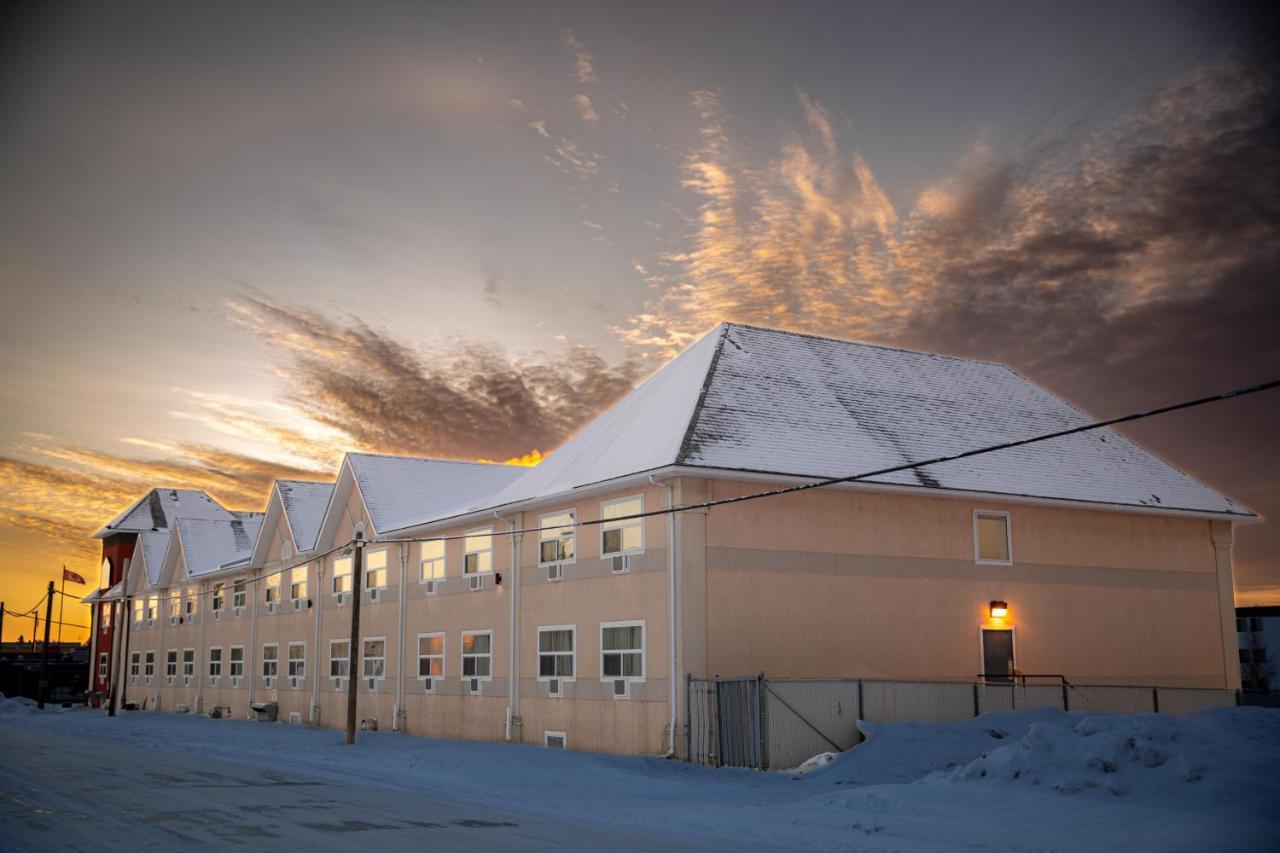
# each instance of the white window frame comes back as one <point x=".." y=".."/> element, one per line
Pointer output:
<point x="231" y="661"/>
<point x="102" y="665"/>
<point x="139" y="608"/>
<point x="463" y="655"/>
<point x="272" y="585"/>
<point x="487" y="534"/>
<point x="620" y="525"/>
<point x="296" y="594"/>
<point x="274" y="660"/>
<point x="151" y="607"/>
<point x="240" y="592"/>
<point x="548" y="735"/>
<point x="572" y="654"/>
<point x="135" y="664"/>
<point x="385" y="570"/>
<point x="437" y="563"/>
<point x="340" y="572"/>
<point x="365" y="658"/>
<point x="442" y="657"/>
<point x="644" y="656"/>
<point x="345" y="658"/>
<point x="219" y="597"/>
<point x="290" y="660"/>
<point x="215" y="661"/>
<point x="1008" y="536"/>
<point x="149" y="663"/>
<point x="555" y="535"/>
<point x="171" y="660"/>
<point x="175" y="606"/>
<point x="190" y="601"/>
<point x="188" y="663"/>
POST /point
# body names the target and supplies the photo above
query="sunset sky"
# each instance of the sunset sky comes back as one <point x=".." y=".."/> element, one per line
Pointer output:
<point x="237" y="239"/>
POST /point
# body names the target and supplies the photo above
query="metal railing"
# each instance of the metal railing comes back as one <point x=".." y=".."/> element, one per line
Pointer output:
<point x="778" y="723"/>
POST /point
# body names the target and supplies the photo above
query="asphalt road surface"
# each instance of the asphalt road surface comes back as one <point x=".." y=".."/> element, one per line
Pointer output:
<point x="59" y="792"/>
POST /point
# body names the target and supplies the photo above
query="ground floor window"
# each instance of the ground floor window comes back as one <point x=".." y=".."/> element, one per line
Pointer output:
<point x="375" y="658"/>
<point x="430" y="655"/>
<point x="149" y="669"/>
<point x="270" y="660"/>
<point x="622" y="650"/>
<point x="477" y="654"/>
<point x="188" y="662"/>
<point x="339" y="658"/>
<point x="215" y="661"/>
<point x="556" y="651"/>
<point x="171" y="663"/>
<point x="237" y="661"/>
<point x="297" y="660"/>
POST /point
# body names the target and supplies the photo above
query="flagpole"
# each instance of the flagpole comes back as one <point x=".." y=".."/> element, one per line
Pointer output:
<point x="62" y="604"/>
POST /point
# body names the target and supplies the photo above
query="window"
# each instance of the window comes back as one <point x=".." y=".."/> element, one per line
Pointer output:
<point x="430" y="655"/>
<point x="477" y="655"/>
<point x="171" y="663"/>
<point x="175" y="606"/>
<point x="619" y="535"/>
<point x="432" y="561"/>
<point x="339" y="658"/>
<point x="219" y="597"/>
<point x="341" y="575"/>
<point x="1242" y="624"/>
<point x="375" y="658"/>
<point x="151" y="608"/>
<point x="102" y="665"/>
<point x="555" y="740"/>
<point x="239" y="592"/>
<point x="270" y="660"/>
<point x="188" y="662"/>
<point x="149" y="664"/>
<point x="192" y="600"/>
<point x="297" y="660"/>
<point x="298" y="584"/>
<point x="375" y="569"/>
<point x="991" y="543"/>
<point x="477" y="557"/>
<point x="104" y="575"/>
<point x="237" y="661"/>
<point x="108" y="611"/>
<point x="135" y="664"/>
<point x="622" y="650"/>
<point x="556" y="651"/>
<point x="215" y="661"/>
<point x="556" y="539"/>
<point x="273" y="587"/>
<point x="139" y="607"/>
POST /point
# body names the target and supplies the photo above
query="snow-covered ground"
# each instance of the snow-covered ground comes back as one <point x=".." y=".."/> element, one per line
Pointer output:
<point x="1040" y="780"/>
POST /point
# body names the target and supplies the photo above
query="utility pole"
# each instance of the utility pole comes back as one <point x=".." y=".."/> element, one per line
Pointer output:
<point x="1" y="621"/>
<point x="357" y="578"/>
<point x="35" y="629"/>
<point x="43" y="689"/>
<point x="62" y="603"/>
<point x="116" y="638"/>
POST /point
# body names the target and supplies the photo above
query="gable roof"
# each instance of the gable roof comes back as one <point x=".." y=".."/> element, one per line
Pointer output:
<point x="304" y="503"/>
<point x="158" y="508"/>
<point x="764" y="401"/>
<point x="208" y="546"/>
<point x="150" y="550"/>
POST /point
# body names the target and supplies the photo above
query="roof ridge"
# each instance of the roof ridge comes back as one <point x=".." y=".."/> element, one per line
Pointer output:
<point x="890" y="347"/>
<point x="422" y="459"/>
<point x="686" y="441"/>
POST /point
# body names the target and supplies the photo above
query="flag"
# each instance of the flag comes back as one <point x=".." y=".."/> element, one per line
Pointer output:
<point x="68" y="575"/>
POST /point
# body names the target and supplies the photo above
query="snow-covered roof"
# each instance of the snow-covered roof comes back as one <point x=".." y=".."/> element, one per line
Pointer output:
<point x="112" y="594"/>
<point x="401" y="491"/>
<point x="208" y="546"/>
<point x="158" y="508"/>
<point x="150" y="549"/>
<point x="304" y="504"/>
<point x="764" y="401"/>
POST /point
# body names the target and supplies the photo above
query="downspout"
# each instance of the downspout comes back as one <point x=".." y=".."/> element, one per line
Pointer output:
<point x="398" y="716"/>
<point x="162" y="611"/>
<point x="673" y="668"/>
<point x="204" y="633"/>
<point x="513" y="628"/>
<point x="253" y="644"/>
<point x="318" y="612"/>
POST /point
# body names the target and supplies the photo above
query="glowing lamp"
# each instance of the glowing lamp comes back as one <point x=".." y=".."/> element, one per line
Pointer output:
<point x="998" y="609"/>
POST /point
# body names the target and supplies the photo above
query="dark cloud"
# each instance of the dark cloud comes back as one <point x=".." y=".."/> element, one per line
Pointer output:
<point x="468" y="401"/>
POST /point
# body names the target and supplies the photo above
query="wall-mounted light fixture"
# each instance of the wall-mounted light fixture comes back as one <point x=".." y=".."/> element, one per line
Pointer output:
<point x="998" y="609"/>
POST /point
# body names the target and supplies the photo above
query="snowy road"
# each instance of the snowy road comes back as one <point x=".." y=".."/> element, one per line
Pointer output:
<point x="59" y="792"/>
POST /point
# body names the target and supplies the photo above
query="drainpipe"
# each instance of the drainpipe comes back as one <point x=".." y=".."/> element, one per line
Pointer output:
<point x="318" y="597"/>
<point x="162" y="612"/>
<point x="673" y="666"/>
<point x="204" y="633"/>
<point x="253" y="643"/>
<point x="513" y="629"/>
<point x="398" y="716"/>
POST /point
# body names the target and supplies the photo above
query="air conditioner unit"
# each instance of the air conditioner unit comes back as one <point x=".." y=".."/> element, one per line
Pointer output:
<point x="373" y="684"/>
<point x="294" y="681"/>
<point x="269" y="681"/>
<point x="555" y="571"/>
<point x="340" y="598"/>
<point x="555" y="687"/>
<point x="430" y="587"/>
<point x="133" y="679"/>
<point x="235" y="681"/>
<point x="168" y="679"/>
<point x="554" y="740"/>
<point x="217" y="614"/>
<point x="477" y="582"/>
<point x="427" y="685"/>
<point x="369" y="725"/>
<point x="213" y="681"/>
<point x="186" y="679"/>
<point x="475" y="685"/>
<point x="621" y="688"/>
<point x="151" y="623"/>
<point x="239" y="611"/>
<point x="148" y="678"/>
<point x="295" y="718"/>
<point x="337" y="684"/>
<point x="373" y="594"/>
<point x="297" y="604"/>
<point x="173" y="620"/>
<point x="621" y="564"/>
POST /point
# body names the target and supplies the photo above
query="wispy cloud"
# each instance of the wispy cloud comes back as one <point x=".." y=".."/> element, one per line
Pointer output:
<point x="584" y="70"/>
<point x="586" y="111"/>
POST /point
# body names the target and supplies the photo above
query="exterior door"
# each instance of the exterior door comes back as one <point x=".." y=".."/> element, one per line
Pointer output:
<point x="997" y="654"/>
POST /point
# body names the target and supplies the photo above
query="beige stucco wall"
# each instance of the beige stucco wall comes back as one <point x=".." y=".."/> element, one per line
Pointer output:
<point x="879" y="584"/>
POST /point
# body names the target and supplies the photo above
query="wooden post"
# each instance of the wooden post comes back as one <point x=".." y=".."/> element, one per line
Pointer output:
<point x="43" y="689"/>
<point x="357" y="578"/>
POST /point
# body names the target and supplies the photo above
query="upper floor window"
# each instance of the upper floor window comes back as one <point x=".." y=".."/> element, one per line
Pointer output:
<point x="619" y="534"/>
<point x="298" y="583"/>
<point x="432" y="565"/>
<point x="556" y="539"/>
<point x="192" y="600"/>
<point x="991" y="539"/>
<point x="239" y="592"/>
<point x="151" y="607"/>
<point x="139" y="609"/>
<point x="175" y="606"/>
<point x="273" y="587"/>
<point x="104" y="577"/>
<point x="341" y="575"/>
<point x="375" y="569"/>
<point x="219" y="596"/>
<point x="478" y="551"/>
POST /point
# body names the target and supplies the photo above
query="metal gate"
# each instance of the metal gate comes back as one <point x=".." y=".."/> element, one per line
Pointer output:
<point x="726" y="721"/>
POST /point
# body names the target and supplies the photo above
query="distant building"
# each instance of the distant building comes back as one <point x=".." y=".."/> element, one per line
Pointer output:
<point x="1258" y="629"/>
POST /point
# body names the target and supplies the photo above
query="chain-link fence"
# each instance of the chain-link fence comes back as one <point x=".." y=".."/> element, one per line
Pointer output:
<point x="778" y="723"/>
